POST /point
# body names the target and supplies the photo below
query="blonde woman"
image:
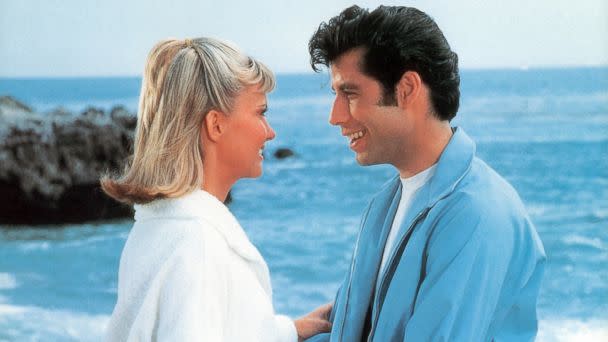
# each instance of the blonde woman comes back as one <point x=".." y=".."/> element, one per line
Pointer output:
<point x="188" y="272"/>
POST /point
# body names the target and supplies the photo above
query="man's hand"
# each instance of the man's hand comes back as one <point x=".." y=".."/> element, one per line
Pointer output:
<point x="314" y="323"/>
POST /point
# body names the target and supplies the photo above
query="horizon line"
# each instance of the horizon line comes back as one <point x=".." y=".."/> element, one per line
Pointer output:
<point x="310" y="72"/>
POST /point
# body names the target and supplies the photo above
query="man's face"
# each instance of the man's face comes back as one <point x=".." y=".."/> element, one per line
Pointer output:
<point x="373" y="130"/>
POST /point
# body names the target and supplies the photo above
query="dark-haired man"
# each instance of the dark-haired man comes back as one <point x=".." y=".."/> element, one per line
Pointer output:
<point x="446" y="251"/>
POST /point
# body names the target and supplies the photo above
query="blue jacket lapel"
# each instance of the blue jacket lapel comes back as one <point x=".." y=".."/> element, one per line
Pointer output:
<point x="453" y="163"/>
<point x="367" y="259"/>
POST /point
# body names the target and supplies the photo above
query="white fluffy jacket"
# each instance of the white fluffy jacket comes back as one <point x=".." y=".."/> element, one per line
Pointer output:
<point x="188" y="272"/>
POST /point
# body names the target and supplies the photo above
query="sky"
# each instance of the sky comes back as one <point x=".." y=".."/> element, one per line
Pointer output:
<point x="79" y="38"/>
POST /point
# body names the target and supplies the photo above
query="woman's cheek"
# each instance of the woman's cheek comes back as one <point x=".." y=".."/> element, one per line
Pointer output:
<point x="264" y="130"/>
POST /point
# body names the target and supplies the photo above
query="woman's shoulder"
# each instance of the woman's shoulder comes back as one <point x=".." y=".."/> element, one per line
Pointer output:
<point x="187" y="236"/>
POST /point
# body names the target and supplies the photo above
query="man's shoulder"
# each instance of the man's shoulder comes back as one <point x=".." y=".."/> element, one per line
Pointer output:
<point x="484" y="196"/>
<point x="487" y="188"/>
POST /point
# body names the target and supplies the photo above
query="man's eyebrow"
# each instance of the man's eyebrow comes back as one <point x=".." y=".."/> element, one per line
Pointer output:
<point x="346" y="87"/>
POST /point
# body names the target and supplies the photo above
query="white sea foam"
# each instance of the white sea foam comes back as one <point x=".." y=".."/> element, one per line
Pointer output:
<point x="537" y="210"/>
<point x="6" y="310"/>
<point x="558" y="330"/>
<point x="91" y="240"/>
<point x="578" y="240"/>
<point x="35" y="246"/>
<point x="8" y="281"/>
<point x="27" y="323"/>
<point x="600" y="214"/>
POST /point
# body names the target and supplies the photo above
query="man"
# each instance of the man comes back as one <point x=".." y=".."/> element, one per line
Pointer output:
<point x="446" y="251"/>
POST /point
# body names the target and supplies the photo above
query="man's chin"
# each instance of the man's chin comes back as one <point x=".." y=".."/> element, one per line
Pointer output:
<point x="364" y="160"/>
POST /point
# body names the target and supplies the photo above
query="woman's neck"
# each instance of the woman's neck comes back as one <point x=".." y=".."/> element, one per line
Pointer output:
<point x="216" y="182"/>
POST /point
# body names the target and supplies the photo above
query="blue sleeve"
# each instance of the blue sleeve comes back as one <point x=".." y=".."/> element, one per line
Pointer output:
<point x="319" y="338"/>
<point x="325" y="337"/>
<point x="476" y="260"/>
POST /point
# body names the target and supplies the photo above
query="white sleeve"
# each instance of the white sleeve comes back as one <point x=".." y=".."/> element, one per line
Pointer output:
<point x="285" y="329"/>
<point x="192" y="303"/>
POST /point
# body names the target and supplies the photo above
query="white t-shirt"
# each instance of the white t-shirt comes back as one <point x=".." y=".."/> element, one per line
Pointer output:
<point x="410" y="188"/>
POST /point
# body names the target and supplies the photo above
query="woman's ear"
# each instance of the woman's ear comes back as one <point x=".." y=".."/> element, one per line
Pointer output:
<point x="214" y="125"/>
<point x="408" y="88"/>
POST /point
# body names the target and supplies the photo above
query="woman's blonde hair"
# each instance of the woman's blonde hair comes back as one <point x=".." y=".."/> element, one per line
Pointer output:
<point x="183" y="80"/>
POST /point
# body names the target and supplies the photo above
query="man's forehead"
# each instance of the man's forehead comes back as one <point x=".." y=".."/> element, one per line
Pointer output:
<point x="351" y="79"/>
<point x="348" y="66"/>
<point x="350" y="60"/>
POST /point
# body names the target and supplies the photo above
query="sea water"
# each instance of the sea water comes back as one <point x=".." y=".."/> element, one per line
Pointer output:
<point x="545" y="131"/>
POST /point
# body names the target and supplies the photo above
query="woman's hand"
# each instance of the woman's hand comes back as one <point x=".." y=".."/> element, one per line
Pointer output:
<point x="314" y="323"/>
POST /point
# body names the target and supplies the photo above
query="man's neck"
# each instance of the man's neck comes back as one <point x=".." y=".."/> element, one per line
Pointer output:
<point x="427" y="150"/>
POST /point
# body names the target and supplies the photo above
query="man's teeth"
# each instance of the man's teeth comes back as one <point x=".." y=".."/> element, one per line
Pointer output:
<point x="261" y="151"/>
<point x="355" y="135"/>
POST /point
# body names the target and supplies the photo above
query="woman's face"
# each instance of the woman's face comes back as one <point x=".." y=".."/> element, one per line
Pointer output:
<point x="246" y="132"/>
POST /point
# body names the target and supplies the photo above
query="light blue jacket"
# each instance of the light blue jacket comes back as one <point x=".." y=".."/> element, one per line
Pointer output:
<point x="467" y="263"/>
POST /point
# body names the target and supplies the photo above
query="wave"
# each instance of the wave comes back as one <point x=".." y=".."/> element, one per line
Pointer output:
<point x="569" y="330"/>
<point x="30" y="323"/>
<point x="34" y="246"/>
<point x="562" y="213"/>
<point x="8" y="281"/>
<point x="578" y="240"/>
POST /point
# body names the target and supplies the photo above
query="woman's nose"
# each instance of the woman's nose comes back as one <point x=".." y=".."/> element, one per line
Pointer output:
<point x="270" y="134"/>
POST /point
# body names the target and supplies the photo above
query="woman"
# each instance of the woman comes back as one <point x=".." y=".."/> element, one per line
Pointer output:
<point x="188" y="272"/>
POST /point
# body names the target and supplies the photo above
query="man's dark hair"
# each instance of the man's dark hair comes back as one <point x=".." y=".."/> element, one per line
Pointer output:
<point x="396" y="39"/>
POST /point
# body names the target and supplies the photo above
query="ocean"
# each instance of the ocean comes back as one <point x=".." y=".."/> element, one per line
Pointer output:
<point x="544" y="130"/>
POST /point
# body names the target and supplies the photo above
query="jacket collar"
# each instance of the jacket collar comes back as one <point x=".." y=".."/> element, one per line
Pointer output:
<point x="454" y="163"/>
<point x="201" y="205"/>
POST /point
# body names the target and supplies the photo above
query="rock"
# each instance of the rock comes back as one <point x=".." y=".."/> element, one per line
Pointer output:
<point x="283" y="153"/>
<point x="122" y="116"/>
<point x="9" y="106"/>
<point x="59" y="112"/>
<point x="228" y="199"/>
<point x="50" y="163"/>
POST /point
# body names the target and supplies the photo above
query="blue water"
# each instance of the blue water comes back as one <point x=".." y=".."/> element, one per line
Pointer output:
<point x="546" y="131"/>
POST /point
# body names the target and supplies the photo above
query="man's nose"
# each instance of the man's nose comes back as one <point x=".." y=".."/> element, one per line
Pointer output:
<point x="339" y="112"/>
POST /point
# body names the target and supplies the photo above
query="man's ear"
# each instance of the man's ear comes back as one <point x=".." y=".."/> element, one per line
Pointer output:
<point x="408" y="88"/>
<point x="214" y="125"/>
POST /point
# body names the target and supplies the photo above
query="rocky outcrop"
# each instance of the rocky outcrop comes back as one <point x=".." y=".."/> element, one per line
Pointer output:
<point x="282" y="153"/>
<point x="50" y="163"/>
